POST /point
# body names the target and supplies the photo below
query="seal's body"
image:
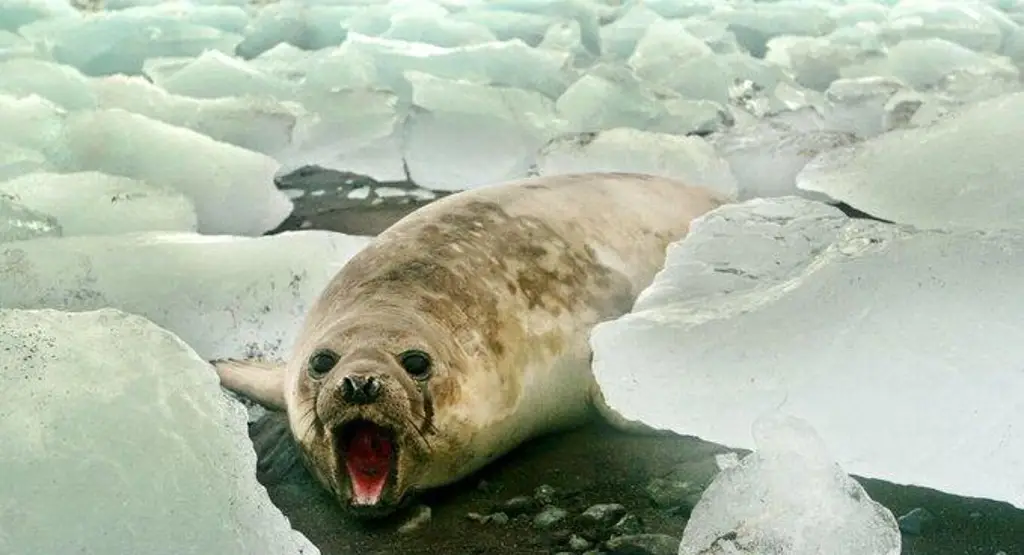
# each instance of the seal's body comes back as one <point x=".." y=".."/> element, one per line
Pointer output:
<point x="463" y="329"/>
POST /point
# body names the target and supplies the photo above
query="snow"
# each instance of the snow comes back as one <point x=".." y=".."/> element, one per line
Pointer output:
<point x="874" y="334"/>
<point x="140" y="142"/>
<point x="788" y="498"/>
<point x="117" y="439"/>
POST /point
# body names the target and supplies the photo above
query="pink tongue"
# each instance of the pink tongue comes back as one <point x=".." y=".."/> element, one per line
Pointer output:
<point x="368" y="460"/>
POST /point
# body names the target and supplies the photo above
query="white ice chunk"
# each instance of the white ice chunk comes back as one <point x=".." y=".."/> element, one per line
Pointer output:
<point x="216" y="75"/>
<point x="92" y="203"/>
<point x="757" y="23"/>
<point x="924" y="63"/>
<point x="858" y="105"/>
<point x="766" y="157"/>
<point x="31" y="122"/>
<point x="106" y="43"/>
<point x="225" y="296"/>
<point x="117" y="432"/>
<point x="16" y="13"/>
<point x="968" y="24"/>
<point x="963" y="171"/>
<point x="353" y="130"/>
<point x="619" y="38"/>
<point x="712" y="76"/>
<point x="303" y="24"/>
<point x="232" y="188"/>
<point x="508" y="64"/>
<point x="13" y="46"/>
<point x="610" y="97"/>
<point x="689" y="159"/>
<point x="259" y="124"/>
<point x="19" y="222"/>
<point x="814" y="61"/>
<point x="16" y="160"/>
<point x="461" y="134"/>
<point x="665" y="45"/>
<point x="63" y="85"/>
<point x="872" y="333"/>
<point x="788" y="497"/>
<point x="436" y="29"/>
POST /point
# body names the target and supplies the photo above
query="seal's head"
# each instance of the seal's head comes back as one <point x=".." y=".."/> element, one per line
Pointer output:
<point x="363" y="410"/>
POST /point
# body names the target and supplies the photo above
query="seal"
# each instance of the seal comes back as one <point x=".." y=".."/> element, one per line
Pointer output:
<point x="463" y="330"/>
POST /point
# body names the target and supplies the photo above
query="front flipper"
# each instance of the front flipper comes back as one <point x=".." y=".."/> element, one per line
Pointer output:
<point x="260" y="381"/>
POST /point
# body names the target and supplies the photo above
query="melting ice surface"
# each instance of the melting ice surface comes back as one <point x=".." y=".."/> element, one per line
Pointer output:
<point x="902" y="347"/>
<point x="118" y="439"/>
<point x="788" y="498"/>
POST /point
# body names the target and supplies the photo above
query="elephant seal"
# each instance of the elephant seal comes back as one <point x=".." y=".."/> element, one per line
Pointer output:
<point x="463" y="330"/>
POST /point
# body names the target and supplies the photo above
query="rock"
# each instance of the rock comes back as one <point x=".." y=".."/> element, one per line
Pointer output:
<point x="916" y="522"/>
<point x="628" y="525"/>
<point x="603" y="514"/>
<point x="520" y="505"/>
<point x="545" y="494"/>
<point x="577" y="543"/>
<point x="549" y="517"/>
<point x="643" y="544"/>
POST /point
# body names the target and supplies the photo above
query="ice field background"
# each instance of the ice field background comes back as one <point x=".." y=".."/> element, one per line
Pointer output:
<point x="140" y="140"/>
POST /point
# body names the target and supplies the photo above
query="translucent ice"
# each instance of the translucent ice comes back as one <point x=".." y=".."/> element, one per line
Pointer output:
<point x="619" y="38"/>
<point x="611" y="97"/>
<point x="436" y="30"/>
<point x="259" y="124"/>
<point x="711" y="76"/>
<point x="858" y="105"/>
<point x="302" y="24"/>
<point x="15" y="14"/>
<point x="968" y="24"/>
<point x="664" y="46"/>
<point x="215" y="75"/>
<point x="224" y="296"/>
<point x="92" y="203"/>
<point x="922" y="63"/>
<point x="19" y="222"/>
<point x="788" y="304"/>
<point x="31" y="122"/>
<point x="962" y="171"/>
<point x="689" y="159"/>
<point x="117" y="432"/>
<point x="788" y="498"/>
<point x="757" y="23"/>
<point x="63" y="85"/>
<point x="461" y="134"/>
<point x="16" y="160"/>
<point x="232" y="188"/>
<point x="119" y="42"/>
<point x="766" y="157"/>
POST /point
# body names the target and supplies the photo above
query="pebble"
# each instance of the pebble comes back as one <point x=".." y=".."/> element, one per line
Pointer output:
<point x="643" y="544"/>
<point x="520" y="505"/>
<point x="604" y="514"/>
<point x="916" y="522"/>
<point x="545" y="494"/>
<point x="549" y="517"/>
<point x="576" y="543"/>
<point x="628" y="525"/>
<point x="496" y="518"/>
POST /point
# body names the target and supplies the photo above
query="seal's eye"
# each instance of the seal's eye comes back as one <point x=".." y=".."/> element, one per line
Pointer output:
<point x="416" y="363"/>
<point x="321" y="362"/>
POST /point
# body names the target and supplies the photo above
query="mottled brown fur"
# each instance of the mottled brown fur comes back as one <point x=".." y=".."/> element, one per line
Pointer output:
<point x="496" y="285"/>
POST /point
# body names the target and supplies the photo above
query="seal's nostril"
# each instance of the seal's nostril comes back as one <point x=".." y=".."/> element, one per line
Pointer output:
<point x="360" y="389"/>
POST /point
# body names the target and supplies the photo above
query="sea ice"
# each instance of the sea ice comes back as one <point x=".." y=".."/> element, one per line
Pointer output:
<point x="970" y="24"/>
<point x="19" y="222"/>
<point x="689" y="159"/>
<point x="756" y="24"/>
<point x="215" y="74"/>
<point x="665" y="45"/>
<point x="462" y="134"/>
<point x="619" y="38"/>
<point x="224" y="296"/>
<point x="858" y="105"/>
<point x="788" y="498"/>
<point x="788" y="304"/>
<point x="113" y="42"/>
<point x="611" y="97"/>
<point x="63" y="85"/>
<point x="118" y="439"/>
<point x="964" y="171"/>
<point x="302" y="24"/>
<point x="92" y="203"/>
<point x="766" y="157"/>
<point x="258" y="124"/>
<point x="16" y="160"/>
<point x="232" y="188"/>
<point x="922" y="63"/>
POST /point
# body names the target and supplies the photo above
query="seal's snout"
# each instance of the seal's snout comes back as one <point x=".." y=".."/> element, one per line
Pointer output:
<point x="359" y="389"/>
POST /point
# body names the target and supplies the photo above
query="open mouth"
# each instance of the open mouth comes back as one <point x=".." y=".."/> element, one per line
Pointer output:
<point x="368" y="452"/>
